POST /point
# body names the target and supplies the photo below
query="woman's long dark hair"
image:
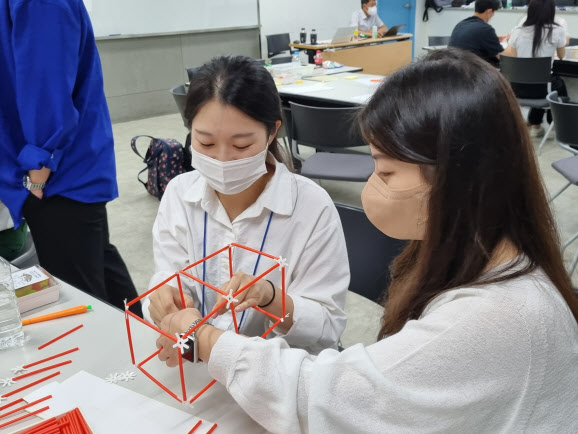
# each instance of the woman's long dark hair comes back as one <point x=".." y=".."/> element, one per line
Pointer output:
<point x="458" y="118"/>
<point x="243" y="83"/>
<point x="541" y="15"/>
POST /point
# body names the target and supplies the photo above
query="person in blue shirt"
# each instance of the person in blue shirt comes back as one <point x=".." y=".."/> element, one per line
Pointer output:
<point x="57" y="168"/>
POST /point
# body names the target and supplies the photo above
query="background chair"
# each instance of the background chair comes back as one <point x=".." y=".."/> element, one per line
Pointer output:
<point x="28" y="257"/>
<point x="529" y="70"/>
<point x="191" y="72"/>
<point x="180" y="96"/>
<point x="370" y="253"/>
<point x="573" y="41"/>
<point x="331" y="130"/>
<point x="436" y="41"/>
<point x="565" y="115"/>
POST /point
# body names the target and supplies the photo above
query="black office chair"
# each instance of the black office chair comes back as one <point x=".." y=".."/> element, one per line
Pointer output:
<point x="436" y="41"/>
<point x="529" y="70"/>
<point x="191" y="72"/>
<point x="180" y="96"/>
<point x="330" y="130"/>
<point x="573" y="42"/>
<point x="277" y="44"/>
<point x="370" y="253"/>
<point x="565" y="114"/>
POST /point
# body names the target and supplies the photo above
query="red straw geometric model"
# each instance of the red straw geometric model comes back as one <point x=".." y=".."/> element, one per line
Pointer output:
<point x="229" y="299"/>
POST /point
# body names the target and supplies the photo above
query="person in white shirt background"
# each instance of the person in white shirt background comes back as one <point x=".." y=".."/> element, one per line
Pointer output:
<point x="366" y="17"/>
<point x="11" y="240"/>
<point x="242" y="192"/>
<point x="540" y="35"/>
<point x="480" y="328"/>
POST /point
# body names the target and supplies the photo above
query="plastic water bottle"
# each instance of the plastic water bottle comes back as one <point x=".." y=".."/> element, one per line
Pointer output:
<point x="509" y="4"/>
<point x="374" y="30"/>
<point x="296" y="65"/>
<point x="11" y="334"/>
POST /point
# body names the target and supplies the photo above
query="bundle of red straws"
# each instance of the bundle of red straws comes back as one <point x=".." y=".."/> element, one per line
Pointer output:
<point x="69" y="423"/>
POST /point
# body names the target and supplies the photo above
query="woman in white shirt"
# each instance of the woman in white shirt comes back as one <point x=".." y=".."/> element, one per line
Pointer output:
<point x="242" y="192"/>
<point x="539" y="36"/>
<point x="479" y="332"/>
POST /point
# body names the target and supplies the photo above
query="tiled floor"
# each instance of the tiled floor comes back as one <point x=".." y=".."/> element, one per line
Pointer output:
<point x="132" y="215"/>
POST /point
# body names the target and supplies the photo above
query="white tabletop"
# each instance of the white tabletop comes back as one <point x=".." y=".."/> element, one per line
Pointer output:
<point x="103" y="349"/>
<point x="345" y="88"/>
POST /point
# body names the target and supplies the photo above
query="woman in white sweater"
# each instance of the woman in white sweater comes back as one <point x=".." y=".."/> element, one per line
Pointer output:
<point x="479" y="332"/>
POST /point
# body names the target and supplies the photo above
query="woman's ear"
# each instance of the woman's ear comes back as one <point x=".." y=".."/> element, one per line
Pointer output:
<point x="276" y="130"/>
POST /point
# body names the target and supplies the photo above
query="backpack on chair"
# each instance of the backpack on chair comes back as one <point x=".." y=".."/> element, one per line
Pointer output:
<point x="164" y="159"/>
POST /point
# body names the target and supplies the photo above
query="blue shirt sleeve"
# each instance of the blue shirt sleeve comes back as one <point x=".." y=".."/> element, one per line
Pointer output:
<point x="46" y="56"/>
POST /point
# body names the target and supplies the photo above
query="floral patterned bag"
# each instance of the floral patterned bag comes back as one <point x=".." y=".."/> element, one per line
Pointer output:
<point x="165" y="159"/>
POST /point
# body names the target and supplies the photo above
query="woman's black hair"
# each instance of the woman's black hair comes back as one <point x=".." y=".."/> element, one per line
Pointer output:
<point x="243" y="83"/>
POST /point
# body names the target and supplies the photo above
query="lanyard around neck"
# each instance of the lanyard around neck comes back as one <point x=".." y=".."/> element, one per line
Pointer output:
<point x="205" y="262"/>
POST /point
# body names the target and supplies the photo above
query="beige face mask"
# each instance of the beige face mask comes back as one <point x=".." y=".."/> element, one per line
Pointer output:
<point x="400" y="214"/>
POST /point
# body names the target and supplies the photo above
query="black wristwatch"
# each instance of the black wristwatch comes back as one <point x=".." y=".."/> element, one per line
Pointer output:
<point x="192" y="353"/>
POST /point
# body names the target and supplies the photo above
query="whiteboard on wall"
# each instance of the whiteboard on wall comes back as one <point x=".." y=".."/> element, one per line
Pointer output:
<point x="325" y="16"/>
<point x="138" y="17"/>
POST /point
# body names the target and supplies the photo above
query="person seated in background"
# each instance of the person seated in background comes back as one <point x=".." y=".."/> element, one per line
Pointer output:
<point x="558" y="20"/>
<point x="538" y="36"/>
<point x="366" y="17"/>
<point x="476" y="35"/>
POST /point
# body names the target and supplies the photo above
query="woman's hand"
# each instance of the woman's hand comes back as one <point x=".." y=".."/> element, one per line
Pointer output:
<point x="172" y="323"/>
<point x="166" y="300"/>
<point x="257" y="294"/>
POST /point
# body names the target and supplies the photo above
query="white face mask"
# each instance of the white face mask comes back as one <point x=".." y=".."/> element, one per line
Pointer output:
<point x="230" y="177"/>
<point x="372" y="10"/>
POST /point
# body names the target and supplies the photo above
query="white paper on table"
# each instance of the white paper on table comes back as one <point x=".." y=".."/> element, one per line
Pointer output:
<point x="109" y="408"/>
<point x="304" y="89"/>
<point x="361" y="98"/>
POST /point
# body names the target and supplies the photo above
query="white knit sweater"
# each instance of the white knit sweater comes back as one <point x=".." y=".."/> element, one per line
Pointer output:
<point x="497" y="358"/>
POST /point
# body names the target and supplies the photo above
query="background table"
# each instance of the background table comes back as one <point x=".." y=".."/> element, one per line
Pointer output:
<point x="103" y="349"/>
<point x="381" y="56"/>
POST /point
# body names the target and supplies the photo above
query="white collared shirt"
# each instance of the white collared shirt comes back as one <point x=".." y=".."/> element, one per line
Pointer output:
<point x="363" y="22"/>
<point x="305" y="229"/>
<point x="5" y="219"/>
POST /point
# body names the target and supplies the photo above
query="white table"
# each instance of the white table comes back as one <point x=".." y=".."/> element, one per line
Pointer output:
<point x="340" y="89"/>
<point x="103" y="349"/>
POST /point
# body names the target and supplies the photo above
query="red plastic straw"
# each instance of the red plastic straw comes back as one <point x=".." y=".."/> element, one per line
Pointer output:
<point x="129" y="337"/>
<point x="29" y="365"/>
<point x="255" y="251"/>
<point x="158" y="383"/>
<point x="16" y="410"/>
<point x="149" y="358"/>
<point x="205" y="259"/>
<point x="28" y="374"/>
<point x="60" y="337"/>
<point x="11" y="404"/>
<point x="181" y="291"/>
<point x="42" y="426"/>
<point x="205" y="319"/>
<point x="154" y="327"/>
<point x="270" y="329"/>
<point x="283" y="290"/>
<point x="264" y="312"/>
<point x="154" y="288"/>
<point x="231" y="262"/>
<point x="34" y="383"/>
<point x="183" y="386"/>
<point x="232" y="307"/>
<point x="207" y="387"/>
<point x="82" y="420"/>
<point x="10" y="422"/>
<point x="213" y="428"/>
<point x="202" y="282"/>
<point x="198" y="424"/>
<point x="252" y="282"/>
